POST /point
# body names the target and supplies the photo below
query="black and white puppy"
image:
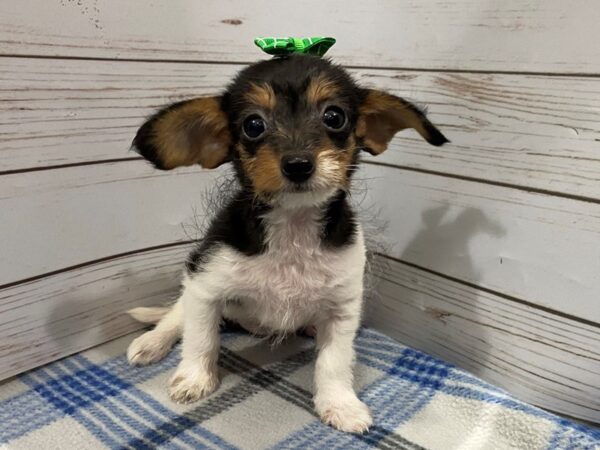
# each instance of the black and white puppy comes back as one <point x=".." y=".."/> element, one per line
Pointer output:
<point x="286" y="252"/>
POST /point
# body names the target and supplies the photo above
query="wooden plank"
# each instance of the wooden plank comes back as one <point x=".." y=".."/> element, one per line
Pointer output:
<point x="535" y="132"/>
<point x="514" y="35"/>
<point x="60" y="218"/>
<point x="541" y="358"/>
<point x="535" y="247"/>
<point x="71" y="112"/>
<point x="49" y="318"/>
<point x="529" y="131"/>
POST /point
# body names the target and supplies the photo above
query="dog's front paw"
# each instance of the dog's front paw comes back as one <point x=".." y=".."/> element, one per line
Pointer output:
<point x="190" y="384"/>
<point x="149" y="348"/>
<point x="346" y="413"/>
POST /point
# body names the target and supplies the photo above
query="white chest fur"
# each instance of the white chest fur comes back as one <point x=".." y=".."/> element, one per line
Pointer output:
<point x="296" y="281"/>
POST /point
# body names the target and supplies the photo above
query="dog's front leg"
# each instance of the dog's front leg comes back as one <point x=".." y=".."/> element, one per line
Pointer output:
<point x="335" y="400"/>
<point x="197" y="373"/>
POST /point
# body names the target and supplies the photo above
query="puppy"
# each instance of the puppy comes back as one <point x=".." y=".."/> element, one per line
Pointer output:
<point x="286" y="252"/>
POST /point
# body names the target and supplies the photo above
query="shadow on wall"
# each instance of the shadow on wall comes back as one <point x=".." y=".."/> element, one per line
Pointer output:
<point x="426" y="316"/>
<point x="447" y="241"/>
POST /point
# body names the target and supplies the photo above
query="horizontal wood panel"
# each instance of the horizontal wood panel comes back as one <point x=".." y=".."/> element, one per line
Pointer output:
<point x="49" y="318"/>
<point x="538" y="248"/>
<point x="514" y="35"/>
<point x="529" y="131"/>
<point x="542" y="358"/>
<point x="57" y="112"/>
<point x="59" y="218"/>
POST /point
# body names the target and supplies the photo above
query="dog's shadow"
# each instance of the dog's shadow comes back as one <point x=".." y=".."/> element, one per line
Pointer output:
<point x="447" y="241"/>
<point x="442" y="303"/>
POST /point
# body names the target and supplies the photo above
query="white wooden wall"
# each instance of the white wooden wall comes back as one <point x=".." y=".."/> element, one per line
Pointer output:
<point x="495" y="256"/>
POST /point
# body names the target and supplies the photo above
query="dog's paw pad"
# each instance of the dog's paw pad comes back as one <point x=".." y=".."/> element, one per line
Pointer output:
<point x="351" y="416"/>
<point x="148" y="348"/>
<point x="187" y="386"/>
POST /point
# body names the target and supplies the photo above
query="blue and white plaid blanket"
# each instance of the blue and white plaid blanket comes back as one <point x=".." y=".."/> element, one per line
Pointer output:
<point x="96" y="400"/>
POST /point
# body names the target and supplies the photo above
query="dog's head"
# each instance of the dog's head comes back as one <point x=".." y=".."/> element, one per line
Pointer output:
<point x="289" y="125"/>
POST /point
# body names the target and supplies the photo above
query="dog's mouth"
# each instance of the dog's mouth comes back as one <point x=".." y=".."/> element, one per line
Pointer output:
<point x="303" y="196"/>
<point x="317" y="187"/>
<point x="299" y="187"/>
<point x="313" y="185"/>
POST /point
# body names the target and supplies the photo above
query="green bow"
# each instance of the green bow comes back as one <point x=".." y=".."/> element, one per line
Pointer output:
<point x="317" y="46"/>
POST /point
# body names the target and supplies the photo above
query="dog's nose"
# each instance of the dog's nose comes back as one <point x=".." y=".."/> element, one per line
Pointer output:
<point x="297" y="168"/>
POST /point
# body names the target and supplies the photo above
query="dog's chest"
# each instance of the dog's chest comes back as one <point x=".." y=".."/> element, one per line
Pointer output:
<point x="297" y="276"/>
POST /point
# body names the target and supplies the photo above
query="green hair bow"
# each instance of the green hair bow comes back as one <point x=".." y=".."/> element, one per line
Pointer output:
<point x="317" y="46"/>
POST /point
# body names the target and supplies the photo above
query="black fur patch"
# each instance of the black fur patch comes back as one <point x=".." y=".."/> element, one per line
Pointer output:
<point x="339" y="222"/>
<point x="238" y="224"/>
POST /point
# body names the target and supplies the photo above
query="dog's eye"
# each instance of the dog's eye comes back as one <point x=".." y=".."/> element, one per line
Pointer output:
<point x="254" y="126"/>
<point x="334" y="118"/>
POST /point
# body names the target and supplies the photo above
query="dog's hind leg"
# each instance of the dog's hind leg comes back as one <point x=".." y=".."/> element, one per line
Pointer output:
<point x="154" y="345"/>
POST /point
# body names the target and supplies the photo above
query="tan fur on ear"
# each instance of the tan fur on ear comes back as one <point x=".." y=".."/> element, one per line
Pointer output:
<point x="191" y="132"/>
<point x="382" y="115"/>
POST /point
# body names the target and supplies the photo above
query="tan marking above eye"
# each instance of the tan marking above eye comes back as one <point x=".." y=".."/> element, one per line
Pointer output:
<point x="321" y="89"/>
<point x="261" y="95"/>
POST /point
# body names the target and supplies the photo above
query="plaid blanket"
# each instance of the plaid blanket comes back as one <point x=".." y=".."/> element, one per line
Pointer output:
<point x="96" y="400"/>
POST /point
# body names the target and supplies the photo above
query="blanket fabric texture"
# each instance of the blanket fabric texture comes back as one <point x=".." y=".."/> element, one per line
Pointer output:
<point x="95" y="400"/>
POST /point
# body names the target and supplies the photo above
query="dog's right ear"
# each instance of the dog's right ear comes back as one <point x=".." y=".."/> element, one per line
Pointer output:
<point x="190" y="132"/>
<point x="382" y="115"/>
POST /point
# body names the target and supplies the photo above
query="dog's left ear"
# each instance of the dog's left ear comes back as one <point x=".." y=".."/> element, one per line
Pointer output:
<point x="190" y="132"/>
<point x="382" y="115"/>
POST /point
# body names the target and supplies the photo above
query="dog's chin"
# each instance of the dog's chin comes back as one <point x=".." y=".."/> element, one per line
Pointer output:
<point x="303" y="196"/>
